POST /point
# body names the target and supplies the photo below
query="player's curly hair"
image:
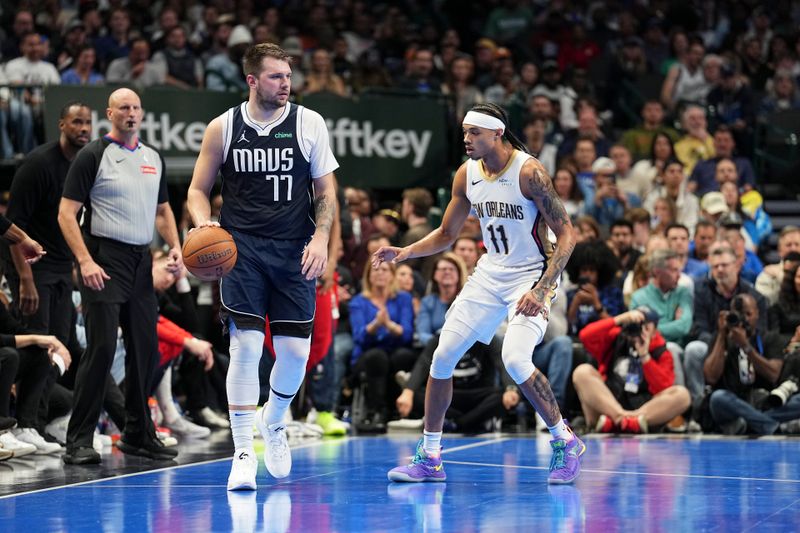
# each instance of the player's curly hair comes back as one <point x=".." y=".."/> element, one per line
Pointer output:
<point x="597" y="255"/>
<point x="498" y="112"/>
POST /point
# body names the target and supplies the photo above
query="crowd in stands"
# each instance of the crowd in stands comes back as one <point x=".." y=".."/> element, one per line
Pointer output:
<point x="645" y="117"/>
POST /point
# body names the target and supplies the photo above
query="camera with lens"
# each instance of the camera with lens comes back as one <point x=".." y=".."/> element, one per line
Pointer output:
<point x="632" y="329"/>
<point x="780" y="394"/>
<point x="735" y="316"/>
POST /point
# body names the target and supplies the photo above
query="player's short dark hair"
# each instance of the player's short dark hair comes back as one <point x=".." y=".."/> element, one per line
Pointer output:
<point x="70" y="105"/>
<point x="253" y="59"/>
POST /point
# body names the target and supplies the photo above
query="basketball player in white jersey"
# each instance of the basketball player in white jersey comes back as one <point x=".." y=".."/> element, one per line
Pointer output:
<point x="519" y="211"/>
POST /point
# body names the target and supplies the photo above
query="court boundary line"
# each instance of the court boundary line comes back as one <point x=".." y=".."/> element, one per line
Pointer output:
<point x="779" y="511"/>
<point x="621" y="472"/>
<point x="156" y="470"/>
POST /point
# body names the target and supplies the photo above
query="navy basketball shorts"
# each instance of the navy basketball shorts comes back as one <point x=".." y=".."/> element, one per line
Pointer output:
<point x="267" y="282"/>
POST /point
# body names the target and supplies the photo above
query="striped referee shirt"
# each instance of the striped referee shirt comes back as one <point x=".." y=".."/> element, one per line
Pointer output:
<point x="120" y="187"/>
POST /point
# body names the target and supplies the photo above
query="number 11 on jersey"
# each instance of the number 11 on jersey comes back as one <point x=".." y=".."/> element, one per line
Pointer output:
<point x="502" y="232"/>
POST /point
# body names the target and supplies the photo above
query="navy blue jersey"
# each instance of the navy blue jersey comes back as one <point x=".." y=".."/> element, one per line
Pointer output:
<point x="267" y="183"/>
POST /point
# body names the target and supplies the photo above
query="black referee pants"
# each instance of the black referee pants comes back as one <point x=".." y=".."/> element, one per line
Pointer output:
<point x="128" y="301"/>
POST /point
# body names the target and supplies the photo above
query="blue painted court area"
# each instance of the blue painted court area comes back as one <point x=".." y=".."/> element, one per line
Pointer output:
<point x="495" y="483"/>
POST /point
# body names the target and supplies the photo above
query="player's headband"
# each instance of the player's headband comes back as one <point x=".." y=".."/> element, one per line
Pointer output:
<point x="474" y="118"/>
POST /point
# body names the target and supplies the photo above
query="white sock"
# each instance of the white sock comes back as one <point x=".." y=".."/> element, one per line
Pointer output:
<point x="164" y="397"/>
<point x="242" y="428"/>
<point x="276" y="407"/>
<point x="561" y="431"/>
<point x="431" y="442"/>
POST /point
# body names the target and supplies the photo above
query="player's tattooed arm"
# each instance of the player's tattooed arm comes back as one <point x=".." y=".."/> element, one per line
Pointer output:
<point x="325" y="203"/>
<point x="539" y="187"/>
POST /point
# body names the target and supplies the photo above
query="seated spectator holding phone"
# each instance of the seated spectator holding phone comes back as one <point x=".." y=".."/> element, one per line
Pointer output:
<point x="592" y="267"/>
<point x="609" y="202"/>
<point x="632" y="390"/>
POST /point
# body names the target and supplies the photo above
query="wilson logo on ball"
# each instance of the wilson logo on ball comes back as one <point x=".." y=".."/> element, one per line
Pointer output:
<point x="213" y="257"/>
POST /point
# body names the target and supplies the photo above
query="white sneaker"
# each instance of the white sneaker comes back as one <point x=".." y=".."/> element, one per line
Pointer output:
<point x="31" y="436"/>
<point x="166" y="440"/>
<point x="187" y="429"/>
<point x="214" y="419"/>
<point x="12" y="444"/>
<point x="100" y="442"/>
<point x="243" y="471"/>
<point x="57" y="428"/>
<point x="277" y="455"/>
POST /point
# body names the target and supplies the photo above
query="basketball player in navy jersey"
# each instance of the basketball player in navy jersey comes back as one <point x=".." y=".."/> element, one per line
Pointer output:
<point x="520" y="214"/>
<point x="278" y="202"/>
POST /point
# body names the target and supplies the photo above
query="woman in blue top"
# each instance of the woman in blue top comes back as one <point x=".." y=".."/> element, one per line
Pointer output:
<point x="448" y="280"/>
<point x="382" y="320"/>
<point x="82" y="71"/>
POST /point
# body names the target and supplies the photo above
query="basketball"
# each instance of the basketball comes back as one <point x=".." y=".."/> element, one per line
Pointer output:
<point x="209" y="253"/>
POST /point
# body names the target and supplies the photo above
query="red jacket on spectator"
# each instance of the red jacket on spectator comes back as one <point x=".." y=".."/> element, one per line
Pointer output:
<point x="598" y="338"/>
<point x="324" y="327"/>
<point x="170" y="339"/>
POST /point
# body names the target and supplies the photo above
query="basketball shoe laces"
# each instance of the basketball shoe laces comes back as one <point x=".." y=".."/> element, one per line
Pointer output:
<point x="279" y="448"/>
<point x="559" y="458"/>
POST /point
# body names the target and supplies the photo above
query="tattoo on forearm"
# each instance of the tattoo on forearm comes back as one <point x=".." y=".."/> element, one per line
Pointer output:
<point x="324" y="209"/>
<point x="549" y="203"/>
<point x="544" y="400"/>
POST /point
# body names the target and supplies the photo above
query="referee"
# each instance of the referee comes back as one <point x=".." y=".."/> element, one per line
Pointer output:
<point x="121" y="184"/>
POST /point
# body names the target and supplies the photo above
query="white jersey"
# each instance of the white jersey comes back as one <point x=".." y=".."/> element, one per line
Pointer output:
<point x="514" y="233"/>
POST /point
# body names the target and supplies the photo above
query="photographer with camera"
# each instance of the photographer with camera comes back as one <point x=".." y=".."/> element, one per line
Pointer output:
<point x="712" y="295"/>
<point x="592" y="267"/>
<point x="744" y="363"/>
<point x="633" y="388"/>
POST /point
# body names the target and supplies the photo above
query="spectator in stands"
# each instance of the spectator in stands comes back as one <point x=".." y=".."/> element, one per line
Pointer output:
<point x="732" y="102"/>
<point x="713" y="206"/>
<point x="579" y="51"/>
<point x="784" y="315"/>
<point x="22" y="25"/>
<point x="610" y="202"/>
<point x="768" y="283"/>
<point x="566" y="187"/>
<point x="584" y="156"/>
<point x="633" y="389"/>
<point x="509" y="22"/>
<point x="665" y="212"/>
<point x="406" y="280"/>
<point x="201" y="37"/>
<point x="223" y="70"/>
<point x="702" y="178"/>
<point x="621" y="243"/>
<point x="592" y="268"/>
<point x="757" y="224"/>
<point x="754" y="68"/>
<point x="467" y="248"/>
<point x="369" y="72"/>
<point x="321" y="77"/>
<point x="555" y="91"/>
<point x="673" y="186"/>
<point x="587" y="229"/>
<point x="183" y="69"/>
<point x="73" y="40"/>
<point x="116" y="42"/>
<point x="419" y="74"/>
<point x="417" y="203"/>
<point x="623" y="161"/>
<point x="639" y="140"/>
<point x="646" y="173"/>
<point x="588" y="128"/>
<point x="459" y="84"/>
<point x="704" y="235"/>
<point x="731" y="230"/>
<point x="540" y="106"/>
<point x="82" y="71"/>
<point x="382" y="319"/>
<point x="781" y="96"/>
<point x="387" y="223"/>
<point x="743" y="357"/>
<point x="136" y="69"/>
<point x="677" y="236"/>
<point x="534" y="135"/>
<point x="712" y="295"/>
<point x="640" y="218"/>
<point x="503" y="91"/>
<point x="672" y="302"/>
<point x="697" y="144"/>
<point x="167" y="20"/>
<point x="685" y="81"/>
<point x="220" y="35"/>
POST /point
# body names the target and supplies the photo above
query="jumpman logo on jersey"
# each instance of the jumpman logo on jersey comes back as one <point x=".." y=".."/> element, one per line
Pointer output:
<point x="242" y="138"/>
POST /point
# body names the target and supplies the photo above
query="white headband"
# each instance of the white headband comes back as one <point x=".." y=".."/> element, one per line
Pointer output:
<point x="484" y="121"/>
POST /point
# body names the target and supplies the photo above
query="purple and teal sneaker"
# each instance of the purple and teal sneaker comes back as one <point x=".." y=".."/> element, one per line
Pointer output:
<point x="566" y="463"/>
<point x="422" y="468"/>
